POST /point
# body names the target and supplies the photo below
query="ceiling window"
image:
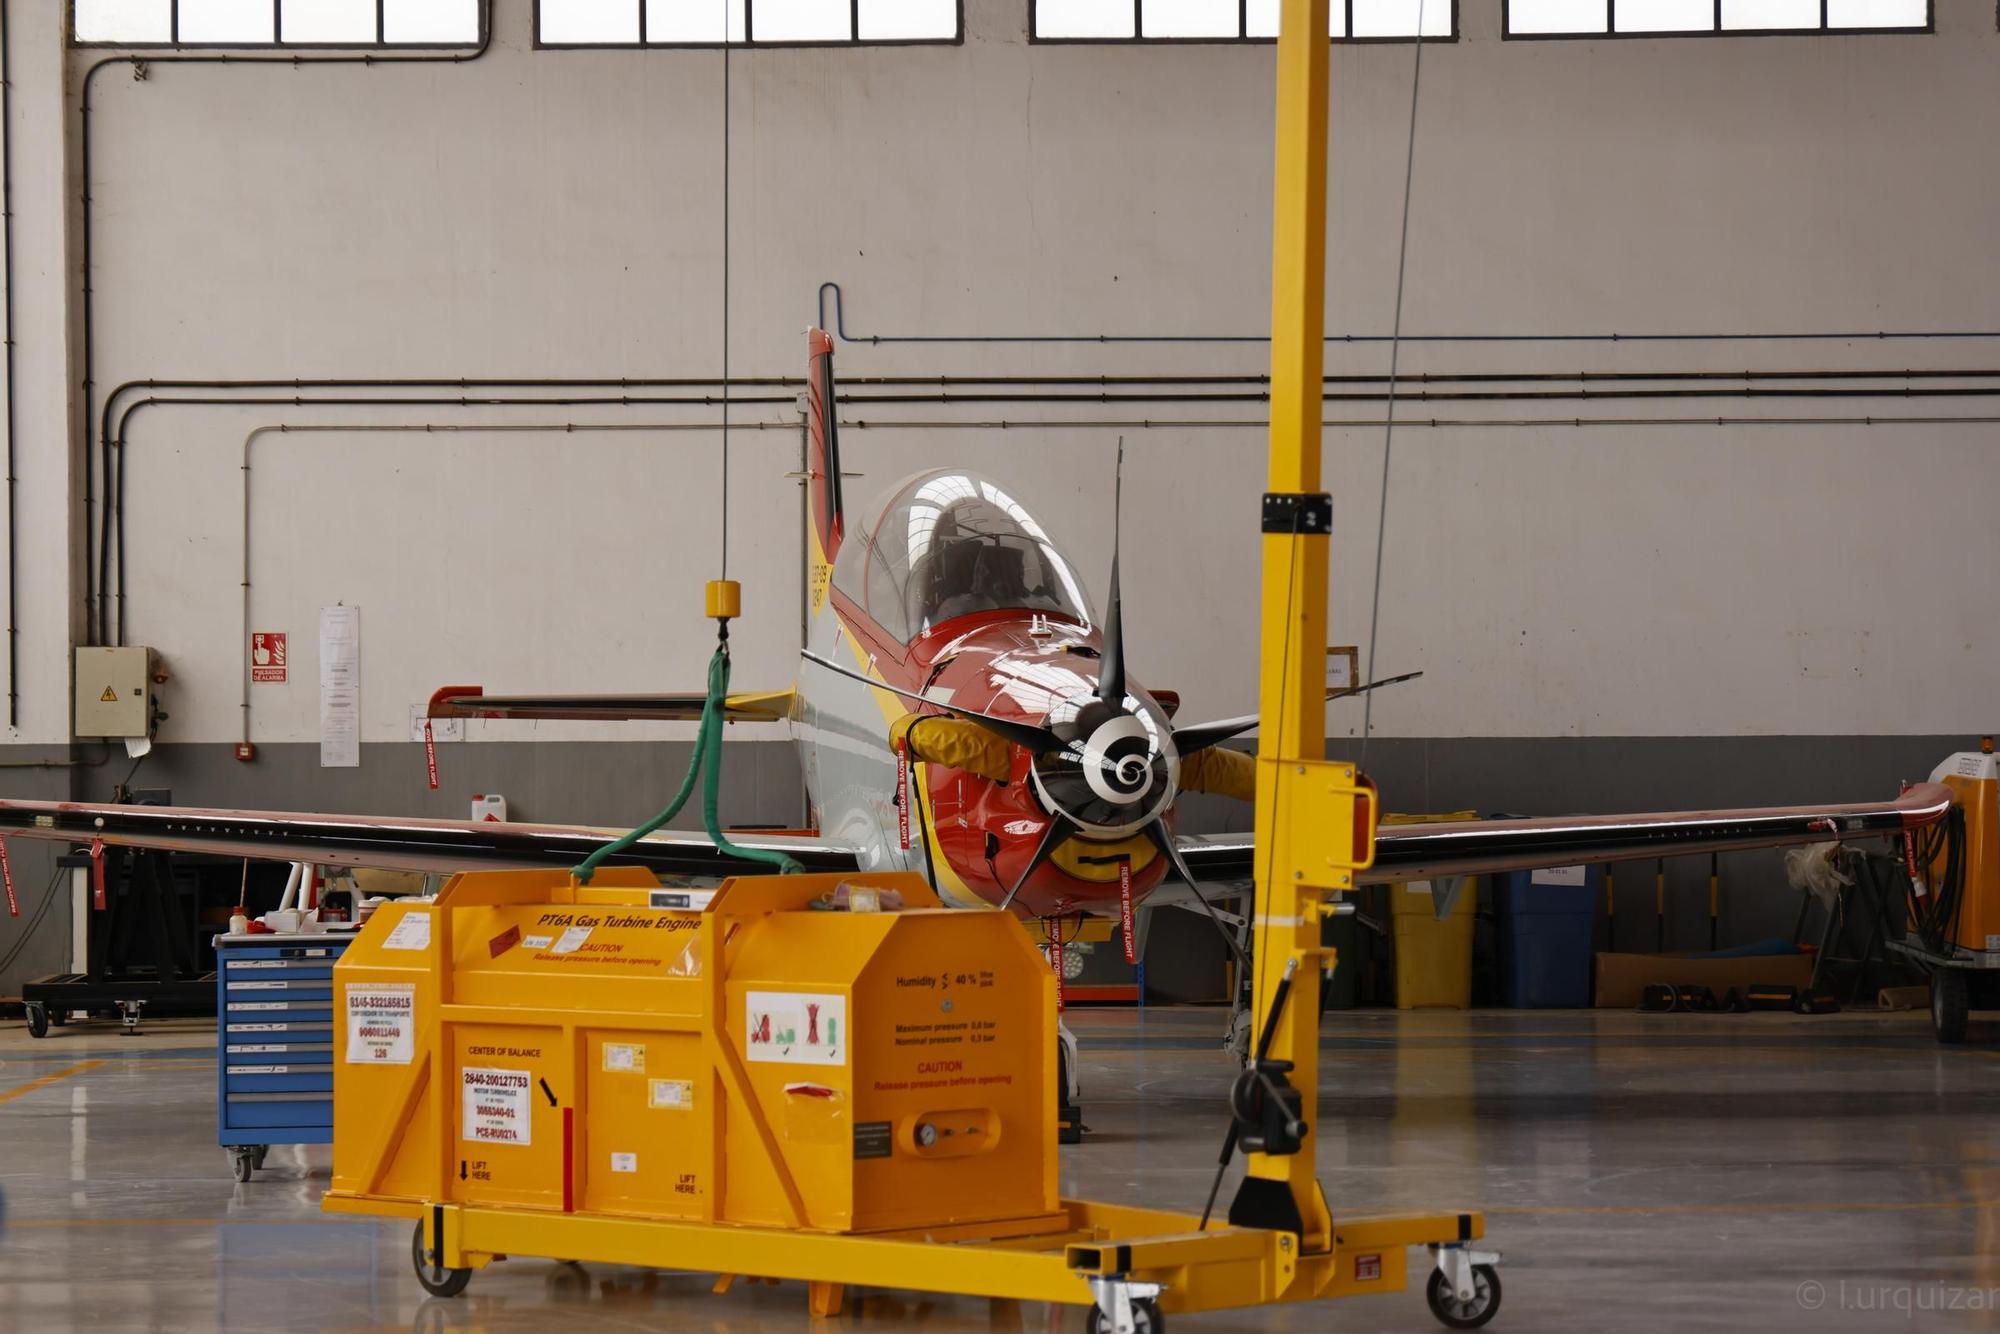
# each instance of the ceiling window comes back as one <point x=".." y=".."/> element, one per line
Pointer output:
<point x="1641" y="18"/>
<point x="1233" y="20"/>
<point x="586" y="23"/>
<point x="292" y="23"/>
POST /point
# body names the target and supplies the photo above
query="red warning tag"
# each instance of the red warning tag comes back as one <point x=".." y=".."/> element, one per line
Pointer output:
<point x="7" y="874"/>
<point x="1054" y="927"/>
<point x="431" y="754"/>
<point x="1125" y="909"/>
<point x="97" y="896"/>
<point x="903" y="795"/>
<point x="503" y="942"/>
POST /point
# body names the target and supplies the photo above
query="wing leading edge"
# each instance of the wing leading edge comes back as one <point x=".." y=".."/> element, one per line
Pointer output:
<point x="394" y="844"/>
<point x="1484" y="847"/>
<point x="772" y="706"/>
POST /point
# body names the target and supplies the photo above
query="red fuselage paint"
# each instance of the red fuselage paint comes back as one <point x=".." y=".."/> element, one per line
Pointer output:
<point x="996" y="662"/>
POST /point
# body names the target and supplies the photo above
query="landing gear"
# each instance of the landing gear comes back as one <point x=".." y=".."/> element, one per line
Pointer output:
<point x="1464" y="1289"/>
<point x="1951" y="1000"/>
<point x="1069" y="1117"/>
<point x="435" y="1278"/>
<point x="1237" y="1041"/>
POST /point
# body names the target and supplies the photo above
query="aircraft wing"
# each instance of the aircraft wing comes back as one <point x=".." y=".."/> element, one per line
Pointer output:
<point x="395" y="844"/>
<point x="1483" y="847"/>
<point x="772" y="706"/>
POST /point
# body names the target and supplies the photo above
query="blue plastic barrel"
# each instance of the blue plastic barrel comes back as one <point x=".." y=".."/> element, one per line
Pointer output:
<point x="1547" y="922"/>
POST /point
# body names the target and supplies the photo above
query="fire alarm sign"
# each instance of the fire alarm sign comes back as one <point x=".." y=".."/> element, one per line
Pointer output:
<point x="267" y="657"/>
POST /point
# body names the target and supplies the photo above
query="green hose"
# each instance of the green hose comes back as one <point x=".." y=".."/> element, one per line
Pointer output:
<point x="707" y="762"/>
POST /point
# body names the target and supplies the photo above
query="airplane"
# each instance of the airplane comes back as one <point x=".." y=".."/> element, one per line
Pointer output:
<point x="953" y="653"/>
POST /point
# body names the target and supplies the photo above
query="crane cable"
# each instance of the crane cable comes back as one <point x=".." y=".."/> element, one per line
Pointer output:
<point x="706" y="762"/>
<point x="1389" y="415"/>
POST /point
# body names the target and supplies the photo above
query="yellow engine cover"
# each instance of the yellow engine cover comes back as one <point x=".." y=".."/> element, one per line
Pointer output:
<point x="624" y="1049"/>
<point x="1974" y="779"/>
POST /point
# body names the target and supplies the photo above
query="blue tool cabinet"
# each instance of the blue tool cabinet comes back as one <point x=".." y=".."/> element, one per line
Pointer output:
<point x="274" y="1039"/>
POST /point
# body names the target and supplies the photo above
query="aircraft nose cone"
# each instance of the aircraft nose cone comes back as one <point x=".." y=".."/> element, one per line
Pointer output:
<point x="1118" y="768"/>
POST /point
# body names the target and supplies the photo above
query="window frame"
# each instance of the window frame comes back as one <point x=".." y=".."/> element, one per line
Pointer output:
<point x="1611" y="33"/>
<point x="1242" y="21"/>
<point x="173" y="43"/>
<point x="750" y="42"/>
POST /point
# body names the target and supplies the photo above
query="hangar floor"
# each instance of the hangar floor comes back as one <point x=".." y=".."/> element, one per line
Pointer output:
<point x="1662" y="1172"/>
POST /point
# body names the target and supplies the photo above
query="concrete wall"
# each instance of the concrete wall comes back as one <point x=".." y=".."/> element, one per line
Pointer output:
<point x="557" y="214"/>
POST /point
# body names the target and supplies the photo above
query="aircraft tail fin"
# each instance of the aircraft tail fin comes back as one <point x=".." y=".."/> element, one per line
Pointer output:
<point x="825" y="520"/>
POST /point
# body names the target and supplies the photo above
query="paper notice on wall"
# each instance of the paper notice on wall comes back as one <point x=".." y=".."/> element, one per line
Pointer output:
<point x="339" y="687"/>
<point x="381" y="1023"/>
<point x="498" y="1106"/>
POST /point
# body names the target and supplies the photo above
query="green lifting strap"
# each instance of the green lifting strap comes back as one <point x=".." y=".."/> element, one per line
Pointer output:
<point x="706" y="762"/>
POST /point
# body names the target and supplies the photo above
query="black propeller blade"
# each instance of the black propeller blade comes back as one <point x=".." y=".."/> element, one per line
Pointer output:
<point x="1163" y="839"/>
<point x="1036" y="739"/>
<point x="1059" y="829"/>
<point x="1200" y="736"/>
<point x="1111" y="674"/>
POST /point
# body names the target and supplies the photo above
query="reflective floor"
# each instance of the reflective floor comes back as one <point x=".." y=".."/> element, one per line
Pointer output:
<point x="1639" y="1172"/>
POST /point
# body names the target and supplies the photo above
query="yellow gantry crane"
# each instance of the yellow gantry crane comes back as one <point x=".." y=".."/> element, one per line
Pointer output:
<point x="833" y="1079"/>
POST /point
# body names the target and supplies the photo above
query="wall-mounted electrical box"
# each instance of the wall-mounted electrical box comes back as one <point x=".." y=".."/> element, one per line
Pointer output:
<point x="114" y="692"/>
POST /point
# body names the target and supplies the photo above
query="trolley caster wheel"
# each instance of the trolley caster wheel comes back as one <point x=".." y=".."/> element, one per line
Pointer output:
<point x="243" y="1162"/>
<point x="258" y="1154"/>
<point x="435" y="1278"/>
<point x="1951" y="998"/>
<point x="1146" y="1318"/>
<point x="59" y="1016"/>
<point x="38" y="1021"/>
<point x="1455" y="1314"/>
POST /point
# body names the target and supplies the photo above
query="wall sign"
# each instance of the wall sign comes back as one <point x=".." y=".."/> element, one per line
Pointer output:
<point x="269" y="663"/>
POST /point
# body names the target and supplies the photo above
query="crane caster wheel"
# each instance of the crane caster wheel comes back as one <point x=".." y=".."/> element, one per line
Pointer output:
<point x="435" y="1278"/>
<point x="38" y="1021"/>
<point x="1455" y="1314"/>
<point x="1146" y="1318"/>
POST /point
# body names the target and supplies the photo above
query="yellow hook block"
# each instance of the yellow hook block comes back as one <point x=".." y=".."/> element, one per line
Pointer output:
<point x="725" y="599"/>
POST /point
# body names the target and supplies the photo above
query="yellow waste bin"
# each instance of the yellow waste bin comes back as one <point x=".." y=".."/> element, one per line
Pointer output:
<point x="1433" y="958"/>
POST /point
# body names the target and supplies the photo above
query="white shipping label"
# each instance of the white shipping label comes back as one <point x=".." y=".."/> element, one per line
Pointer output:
<point x="412" y="933"/>
<point x="673" y="1095"/>
<point x="572" y="940"/>
<point x="1559" y="875"/>
<point x="537" y="942"/>
<point x="381" y="1023"/>
<point x="624" y="1162"/>
<point x="625" y="1058"/>
<point x="795" y="1028"/>
<point x="498" y="1106"/>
